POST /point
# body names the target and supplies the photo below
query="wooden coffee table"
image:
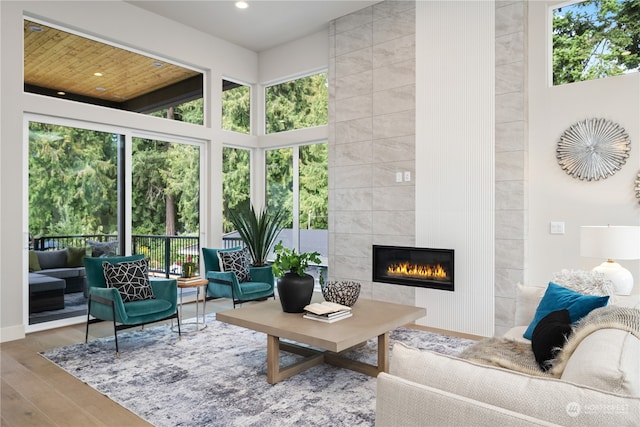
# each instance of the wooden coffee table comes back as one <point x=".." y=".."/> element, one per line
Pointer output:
<point x="370" y="319"/>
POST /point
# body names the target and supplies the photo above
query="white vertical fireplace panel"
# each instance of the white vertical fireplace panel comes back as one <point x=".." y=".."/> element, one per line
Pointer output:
<point x="455" y="193"/>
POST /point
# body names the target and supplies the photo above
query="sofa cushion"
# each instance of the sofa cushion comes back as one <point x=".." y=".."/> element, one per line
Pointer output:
<point x="557" y="298"/>
<point x="52" y="259"/>
<point x="103" y="249"/>
<point x="75" y="257"/>
<point x="236" y="261"/>
<point x="607" y="359"/>
<point x="64" y="273"/>
<point x="549" y="336"/>
<point x="527" y="299"/>
<point x="550" y="399"/>
<point x="95" y="272"/>
<point x="34" y="262"/>
<point x="131" y="279"/>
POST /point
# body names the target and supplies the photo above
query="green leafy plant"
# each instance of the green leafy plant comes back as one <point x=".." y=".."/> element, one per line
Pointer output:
<point x="258" y="230"/>
<point x="289" y="261"/>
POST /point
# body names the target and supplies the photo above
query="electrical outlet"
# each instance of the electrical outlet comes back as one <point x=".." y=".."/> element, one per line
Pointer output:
<point x="556" y="227"/>
<point x="398" y="176"/>
<point x="407" y="176"/>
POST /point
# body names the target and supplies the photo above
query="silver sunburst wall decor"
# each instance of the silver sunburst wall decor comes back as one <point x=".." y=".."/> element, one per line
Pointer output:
<point x="593" y="149"/>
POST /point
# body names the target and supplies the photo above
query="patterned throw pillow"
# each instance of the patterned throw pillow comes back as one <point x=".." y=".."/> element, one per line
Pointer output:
<point x="236" y="261"/>
<point x="131" y="279"/>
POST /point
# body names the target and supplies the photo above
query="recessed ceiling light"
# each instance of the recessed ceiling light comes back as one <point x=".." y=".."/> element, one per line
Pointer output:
<point x="242" y="4"/>
<point x="100" y="89"/>
<point x="97" y="74"/>
<point x="35" y="28"/>
<point x="61" y="93"/>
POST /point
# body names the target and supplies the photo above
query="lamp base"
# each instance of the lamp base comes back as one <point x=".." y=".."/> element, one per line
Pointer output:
<point x="620" y="276"/>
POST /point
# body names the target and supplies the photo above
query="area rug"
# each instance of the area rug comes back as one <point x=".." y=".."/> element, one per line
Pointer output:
<point x="217" y="377"/>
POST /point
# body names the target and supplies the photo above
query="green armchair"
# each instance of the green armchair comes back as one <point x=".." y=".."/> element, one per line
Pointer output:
<point x="225" y="284"/>
<point x="107" y="304"/>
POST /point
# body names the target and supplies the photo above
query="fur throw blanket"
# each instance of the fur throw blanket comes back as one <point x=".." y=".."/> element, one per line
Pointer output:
<point x="518" y="356"/>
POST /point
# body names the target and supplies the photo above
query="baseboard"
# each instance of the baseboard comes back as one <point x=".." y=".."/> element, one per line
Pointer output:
<point x="12" y="333"/>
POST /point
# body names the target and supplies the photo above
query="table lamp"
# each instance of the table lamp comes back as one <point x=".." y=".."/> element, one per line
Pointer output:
<point x="612" y="242"/>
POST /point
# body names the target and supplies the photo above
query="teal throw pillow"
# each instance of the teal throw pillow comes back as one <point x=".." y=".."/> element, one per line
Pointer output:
<point x="558" y="298"/>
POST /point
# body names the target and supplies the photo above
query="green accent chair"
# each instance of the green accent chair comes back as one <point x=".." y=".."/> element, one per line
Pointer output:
<point x="106" y="303"/>
<point x="225" y="284"/>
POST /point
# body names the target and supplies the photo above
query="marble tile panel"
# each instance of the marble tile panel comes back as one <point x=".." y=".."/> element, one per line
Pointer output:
<point x="394" y="75"/>
<point x="395" y="124"/>
<point x="394" y="240"/>
<point x="510" y="107"/>
<point x="506" y="281"/>
<point x="393" y="222"/>
<point x="510" y="136"/>
<point x="355" y="39"/>
<point x="510" y="19"/>
<point x="396" y="198"/>
<point x="500" y="330"/>
<point x="352" y="268"/>
<point x="354" y="130"/>
<point x="384" y="174"/>
<point x="348" y="222"/>
<point x="511" y="195"/>
<point x="354" y="85"/>
<point x="358" y="245"/>
<point x="397" y="294"/>
<point x="353" y="153"/>
<point x="354" y="108"/>
<point x="396" y="50"/>
<point x="504" y="3"/>
<point x="387" y="8"/>
<point x="353" y="199"/>
<point x="510" y="224"/>
<point x="510" y="253"/>
<point x="394" y="100"/>
<point x="354" y="62"/>
<point x="511" y="166"/>
<point x="394" y="26"/>
<point x="510" y="77"/>
<point x="354" y="20"/>
<point x="394" y="149"/>
<point x="510" y="48"/>
<point x="505" y="309"/>
<point x="366" y="290"/>
<point x="352" y="176"/>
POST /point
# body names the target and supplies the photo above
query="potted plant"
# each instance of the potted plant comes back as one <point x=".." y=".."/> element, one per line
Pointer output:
<point x="258" y="230"/>
<point x="295" y="287"/>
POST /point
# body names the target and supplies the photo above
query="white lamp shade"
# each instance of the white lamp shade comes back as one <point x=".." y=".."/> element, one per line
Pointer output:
<point x="610" y="242"/>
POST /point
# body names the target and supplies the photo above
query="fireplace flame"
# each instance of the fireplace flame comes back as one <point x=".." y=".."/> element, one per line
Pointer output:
<point x="417" y="271"/>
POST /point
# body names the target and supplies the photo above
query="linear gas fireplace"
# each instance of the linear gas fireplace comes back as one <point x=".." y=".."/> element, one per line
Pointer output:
<point x="422" y="267"/>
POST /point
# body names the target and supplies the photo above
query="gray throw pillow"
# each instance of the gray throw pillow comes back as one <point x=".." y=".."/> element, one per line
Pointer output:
<point x="131" y="279"/>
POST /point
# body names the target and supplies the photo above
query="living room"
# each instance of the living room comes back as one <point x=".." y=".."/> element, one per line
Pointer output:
<point x="485" y="127"/>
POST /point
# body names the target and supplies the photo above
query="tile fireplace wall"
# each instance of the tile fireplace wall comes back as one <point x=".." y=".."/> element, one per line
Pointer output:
<point x="372" y="138"/>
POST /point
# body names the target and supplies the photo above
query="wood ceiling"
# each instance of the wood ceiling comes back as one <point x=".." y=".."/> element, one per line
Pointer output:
<point x="57" y="61"/>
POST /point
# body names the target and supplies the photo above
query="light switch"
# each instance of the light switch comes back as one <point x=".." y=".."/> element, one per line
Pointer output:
<point x="407" y="176"/>
<point x="398" y="176"/>
<point x="557" y="227"/>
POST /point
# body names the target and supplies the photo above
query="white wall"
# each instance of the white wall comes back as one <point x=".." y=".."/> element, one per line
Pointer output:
<point x="455" y="75"/>
<point x="556" y="196"/>
<point x="130" y="26"/>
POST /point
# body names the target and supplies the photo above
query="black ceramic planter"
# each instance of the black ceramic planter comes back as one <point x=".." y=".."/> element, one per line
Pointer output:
<point x="295" y="292"/>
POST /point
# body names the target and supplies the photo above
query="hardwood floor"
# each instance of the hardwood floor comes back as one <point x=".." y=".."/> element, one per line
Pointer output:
<point x="35" y="392"/>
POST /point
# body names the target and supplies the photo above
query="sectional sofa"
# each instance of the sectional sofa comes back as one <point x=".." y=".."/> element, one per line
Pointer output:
<point x="598" y="386"/>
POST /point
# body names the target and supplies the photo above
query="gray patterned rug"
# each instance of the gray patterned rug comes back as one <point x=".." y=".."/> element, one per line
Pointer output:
<point x="217" y="377"/>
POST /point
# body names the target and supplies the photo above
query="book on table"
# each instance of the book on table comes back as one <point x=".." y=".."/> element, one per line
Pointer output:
<point x="327" y="319"/>
<point x="326" y="308"/>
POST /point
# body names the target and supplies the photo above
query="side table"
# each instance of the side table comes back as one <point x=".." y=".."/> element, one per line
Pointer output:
<point x="194" y="282"/>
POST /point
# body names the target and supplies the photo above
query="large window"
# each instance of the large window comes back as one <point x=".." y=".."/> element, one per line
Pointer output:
<point x="297" y="104"/>
<point x="236" y="182"/>
<point x="297" y="182"/>
<point x="236" y="107"/>
<point x="595" y="39"/>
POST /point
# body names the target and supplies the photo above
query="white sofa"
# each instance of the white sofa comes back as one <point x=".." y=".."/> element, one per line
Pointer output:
<point x="600" y="385"/>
